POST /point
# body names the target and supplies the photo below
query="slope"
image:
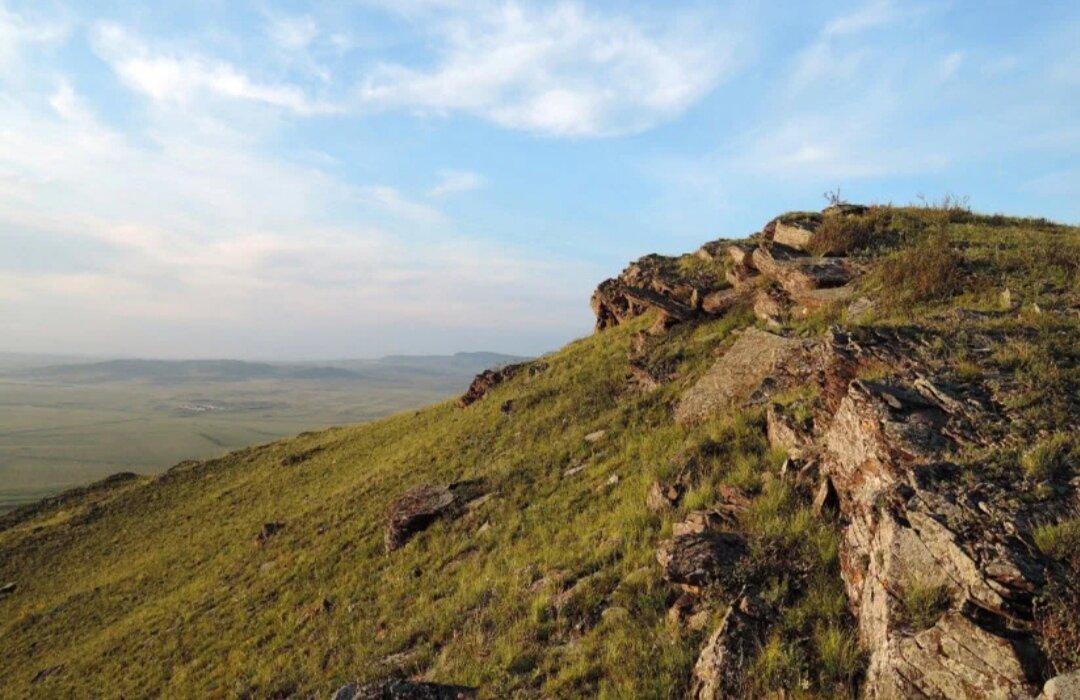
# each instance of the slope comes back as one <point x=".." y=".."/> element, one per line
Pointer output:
<point x="265" y="573"/>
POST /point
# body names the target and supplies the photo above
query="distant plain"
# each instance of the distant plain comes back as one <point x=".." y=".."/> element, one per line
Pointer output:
<point x="69" y="421"/>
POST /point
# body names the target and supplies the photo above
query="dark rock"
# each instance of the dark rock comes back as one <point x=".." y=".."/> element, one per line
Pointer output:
<point x="825" y="498"/>
<point x="268" y="530"/>
<point x="419" y="507"/>
<point x="486" y="381"/>
<point x="703" y="559"/>
<point x="507" y="407"/>
<point x="402" y="689"/>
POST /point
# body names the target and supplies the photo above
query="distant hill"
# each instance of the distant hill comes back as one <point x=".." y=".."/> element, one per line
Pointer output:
<point x="388" y="369"/>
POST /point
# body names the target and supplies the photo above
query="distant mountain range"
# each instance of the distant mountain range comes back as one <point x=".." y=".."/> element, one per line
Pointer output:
<point x="388" y="369"/>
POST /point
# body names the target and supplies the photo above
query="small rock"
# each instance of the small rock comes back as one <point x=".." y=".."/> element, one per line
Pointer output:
<point x="612" y="480"/>
<point x="269" y="530"/>
<point x="345" y="692"/>
<point x="1063" y="687"/>
<point x="792" y="235"/>
<point x="574" y="470"/>
<point x="662" y="496"/>
<point x="718" y="303"/>
<point x="507" y="407"/>
<point x="826" y="498"/>
<point x="728" y="653"/>
<point x="704" y="559"/>
<point x="7" y="589"/>
<point x="595" y="436"/>
<point x="860" y="309"/>
<point x="418" y="507"/>
<point x="486" y="381"/>
<point x="698" y="522"/>
<point x="402" y="689"/>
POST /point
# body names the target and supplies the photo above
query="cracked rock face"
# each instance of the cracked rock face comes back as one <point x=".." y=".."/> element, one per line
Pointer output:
<point x="754" y="357"/>
<point x="910" y="525"/>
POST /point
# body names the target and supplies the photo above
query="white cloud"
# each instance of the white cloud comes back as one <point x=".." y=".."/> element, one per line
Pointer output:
<point x="564" y="71"/>
<point x="18" y="31"/>
<point x="455" y="181"/>
<point x="870" y="16"/>
<point x="205" y="246"/>
<point x="176" y="79"/>
<point x="292" y="33"/>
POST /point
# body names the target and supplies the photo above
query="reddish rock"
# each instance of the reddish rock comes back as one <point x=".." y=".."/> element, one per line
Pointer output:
<point x="486" y="381"/>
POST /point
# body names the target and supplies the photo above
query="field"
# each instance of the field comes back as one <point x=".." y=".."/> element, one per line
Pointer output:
<point x="59" y="429"/>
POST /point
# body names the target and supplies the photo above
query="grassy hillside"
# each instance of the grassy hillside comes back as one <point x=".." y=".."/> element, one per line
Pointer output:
<point x="150" y="587"/>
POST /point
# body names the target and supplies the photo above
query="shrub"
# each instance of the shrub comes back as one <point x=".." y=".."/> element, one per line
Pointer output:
<point x="922" y="273"/>
<point x="1061" y="541"/>
<point x="839" y="234"/>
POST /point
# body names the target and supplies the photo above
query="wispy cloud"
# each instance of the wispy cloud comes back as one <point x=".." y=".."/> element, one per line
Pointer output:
<point x="455" y="181"/>
<point x="561" y="70"/>
<point x="178" y="79"/>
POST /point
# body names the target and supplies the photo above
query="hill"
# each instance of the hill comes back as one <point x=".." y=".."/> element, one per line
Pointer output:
<point x="836" y="459"/>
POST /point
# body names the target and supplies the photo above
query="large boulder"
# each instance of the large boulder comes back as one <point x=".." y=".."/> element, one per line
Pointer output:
<point x="753" y="357"/>
<point x="419" y="507"/>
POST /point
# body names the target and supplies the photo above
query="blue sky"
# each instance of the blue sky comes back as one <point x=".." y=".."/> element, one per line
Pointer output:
<point x="303" y="180"/>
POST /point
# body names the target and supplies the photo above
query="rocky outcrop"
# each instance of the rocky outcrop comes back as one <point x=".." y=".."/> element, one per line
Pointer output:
<point x="486" y="381"/>
<point x="656" y="282"/>
<point x="911" y="526"/>
<point x="720" y="668"/>
<point x="419" y="507"/>
<point x="797" y="272"/>
<point x="754" y="357"/>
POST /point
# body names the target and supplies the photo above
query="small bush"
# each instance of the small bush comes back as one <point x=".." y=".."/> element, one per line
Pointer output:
<point x="1061" y="541"/>
<point x="923" y="273"/>
<point x="839" y="235"/>
<point x="1050" y="458"/>
<point x="923" y="605"/>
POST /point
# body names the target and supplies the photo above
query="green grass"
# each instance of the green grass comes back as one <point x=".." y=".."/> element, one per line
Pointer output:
<point x="923" y="604"/>
<point x="156" y="587"/>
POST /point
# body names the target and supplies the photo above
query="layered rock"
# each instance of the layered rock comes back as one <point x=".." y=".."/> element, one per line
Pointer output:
<point x="718" y="673"/>
<point x="911" y="526"/>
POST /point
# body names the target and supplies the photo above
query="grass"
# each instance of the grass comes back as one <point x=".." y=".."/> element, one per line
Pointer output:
<point x="922" y="604"/>
<point x="1052" y="458"/>
<point x="155" y="586"/>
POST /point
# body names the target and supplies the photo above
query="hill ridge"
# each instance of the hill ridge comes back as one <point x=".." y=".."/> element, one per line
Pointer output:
<point x="836" y="458"/>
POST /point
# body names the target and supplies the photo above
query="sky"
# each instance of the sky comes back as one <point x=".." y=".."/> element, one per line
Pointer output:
<point x="287" y="180"/>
